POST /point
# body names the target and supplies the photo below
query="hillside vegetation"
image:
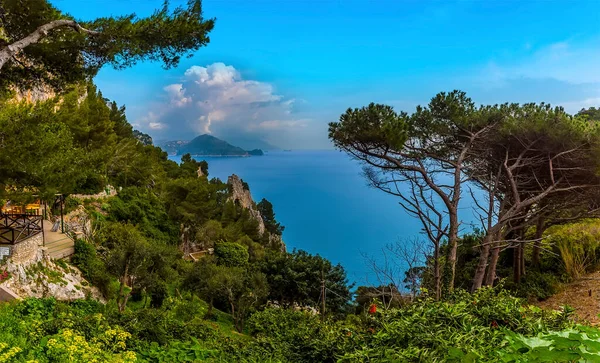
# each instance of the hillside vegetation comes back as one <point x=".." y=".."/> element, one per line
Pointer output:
<point x="190" y="272"/>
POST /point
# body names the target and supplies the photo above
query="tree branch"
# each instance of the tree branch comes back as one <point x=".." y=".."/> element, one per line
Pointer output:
<point x="37" y="35"/>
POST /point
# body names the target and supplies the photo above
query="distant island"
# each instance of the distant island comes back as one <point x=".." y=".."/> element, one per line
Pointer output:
<point x="206" y="145"/>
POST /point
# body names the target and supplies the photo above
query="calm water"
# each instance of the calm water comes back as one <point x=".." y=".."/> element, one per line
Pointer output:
<point x="324" y="203"/>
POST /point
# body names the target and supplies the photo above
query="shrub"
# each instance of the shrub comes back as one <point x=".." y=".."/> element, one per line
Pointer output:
<point x="466" y="327"/>
<point x="231" y="254"/>
<point x="578" y="246"/>
<point x="579" y="344"/>
<point x="92" y="268"/>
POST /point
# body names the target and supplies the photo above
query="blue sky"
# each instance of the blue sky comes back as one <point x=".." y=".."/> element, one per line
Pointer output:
<point x="305" y="62"/>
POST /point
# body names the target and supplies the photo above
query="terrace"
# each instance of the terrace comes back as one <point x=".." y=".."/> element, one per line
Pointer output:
<point x="19" y="223"/>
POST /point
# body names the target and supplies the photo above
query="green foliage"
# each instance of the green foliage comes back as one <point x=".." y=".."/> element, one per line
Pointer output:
<point x="240" y="290"/>
<point x="579" y="344"/>
<point x="296" y="278"/>
<point x="92" y="267"/>
<point x="375" y="125"/>
<point x="578" y="246"/>
<point x="37" y="154"/>
<point x="65" y="54"/>
<point x="266" y="211"/>
<point x="209" y="233"/>
<point x="141" y="207"/>
<point x="465" y="327"/>
<point x="231" y="254"/>
<point x="298" y="336"/>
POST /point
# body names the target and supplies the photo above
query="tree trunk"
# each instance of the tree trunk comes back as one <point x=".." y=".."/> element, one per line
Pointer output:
<point x="122" y="287"/>
<point x="209" y="312"/>
<point x="522" y="260"/>
<point x="539" y="232"/>
<point x="517" y="263"/>
<point x="453" y="243"/>
<point x="125" y="299"/>
<point x="236" y="320"/>
<point x="436" y="272"/>
<point x="491" y="273"/>
<point x="484" y="253"/>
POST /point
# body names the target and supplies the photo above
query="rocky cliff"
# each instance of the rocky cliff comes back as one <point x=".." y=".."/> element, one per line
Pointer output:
<point x="35" y="275"/>
<point x="241" y="194"/>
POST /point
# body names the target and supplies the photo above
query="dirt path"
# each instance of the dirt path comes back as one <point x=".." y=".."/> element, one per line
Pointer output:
<point x="583" y="295"/>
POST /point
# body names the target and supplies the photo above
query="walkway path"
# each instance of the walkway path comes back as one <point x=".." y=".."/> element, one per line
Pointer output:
<point x="59" y="245"/>
<point x="583" y="295"/>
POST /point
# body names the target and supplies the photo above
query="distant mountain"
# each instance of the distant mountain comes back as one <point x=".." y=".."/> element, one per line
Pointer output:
<point x="249" y="143"/>
<point x="206" y="145"/>
<point x="172" y="147"/>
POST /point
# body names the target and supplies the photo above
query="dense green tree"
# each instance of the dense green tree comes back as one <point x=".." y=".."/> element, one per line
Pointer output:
<point x="266" y="211"/>
<point x="210" y="233"/>
<point x="143" y="208"/>
<point x="591" y="113"/>
<point x="192" y="202"/>
<point x="231" y="254"/>
<point x="189" y="167"/>
<point x="535" y="154"/>
<point x="297" y="278"/>
<point x="244" y="290"/>
<point x="241" y="289"/>
<point x="203" y="280"/>
<point x="128" y="257"/>
<point x="122" y="128"/>
<point x="418" y="158"/>
<point x="38" y="43"/>
<point x="37" y="153"/>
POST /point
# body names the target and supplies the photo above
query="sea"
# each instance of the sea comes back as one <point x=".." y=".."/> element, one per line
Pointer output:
<point x="325" y="204"/>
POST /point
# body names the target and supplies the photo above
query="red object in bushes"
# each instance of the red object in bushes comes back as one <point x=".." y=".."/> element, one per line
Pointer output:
<point x="372" y="309"/>
<point x="3" y="275"/>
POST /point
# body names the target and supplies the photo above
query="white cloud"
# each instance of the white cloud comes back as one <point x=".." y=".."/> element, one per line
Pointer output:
<point x="216" y="99"/>
<point x="575" y="106"/>
<point x="564" y="73"/>
<point x="156" y="125"/>
<point x="564" y="61"/>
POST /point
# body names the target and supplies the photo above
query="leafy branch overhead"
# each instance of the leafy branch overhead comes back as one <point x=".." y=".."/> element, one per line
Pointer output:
<point x="40" y="44"/>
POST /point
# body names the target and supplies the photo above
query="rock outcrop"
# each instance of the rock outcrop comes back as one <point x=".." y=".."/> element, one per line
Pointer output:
<point x="79" y="222"/>
<point x="38" y="276"/>
<point x="241" y="195"/>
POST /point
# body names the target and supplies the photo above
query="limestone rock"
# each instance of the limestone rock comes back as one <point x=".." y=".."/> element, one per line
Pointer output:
<point x="276" y="241"/>
<point x="79" y="222"/>
<point x="38" y="277"/>
<point x="242" y="195"/>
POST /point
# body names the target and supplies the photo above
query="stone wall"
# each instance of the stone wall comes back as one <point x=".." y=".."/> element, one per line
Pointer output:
<point x="103" y="194"/>
<point x="6" y="294"/>
<point x="23" y="252"/>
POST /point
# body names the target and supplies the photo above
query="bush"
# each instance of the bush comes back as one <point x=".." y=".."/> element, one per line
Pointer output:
<point x="466" y="327"/>
<point x="296" y="335"/>
<point x="92" y="268"/>
<point x="578" y="246"/>
<point x="231" y="254"/>
<point x="536" y="285"/>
